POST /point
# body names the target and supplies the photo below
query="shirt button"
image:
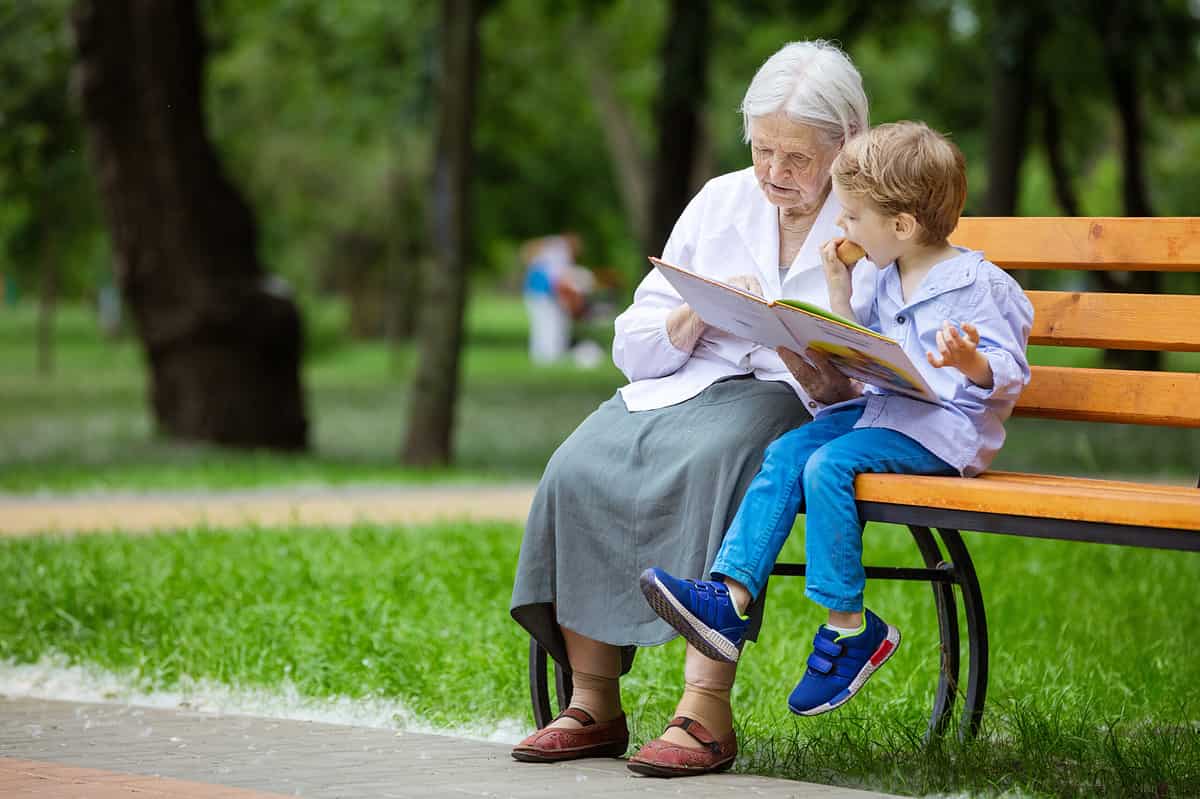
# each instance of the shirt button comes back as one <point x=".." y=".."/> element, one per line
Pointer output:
<point x="901" y="319"/>
<point x="812" y="404"/>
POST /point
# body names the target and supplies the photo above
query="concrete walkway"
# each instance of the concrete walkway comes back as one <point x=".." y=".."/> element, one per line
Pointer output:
<point x="144" y="513"/>
<point x="71" y="749"/>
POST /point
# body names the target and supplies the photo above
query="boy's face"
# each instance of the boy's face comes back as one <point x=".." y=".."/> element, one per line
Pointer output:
<point x="865" y="225"/>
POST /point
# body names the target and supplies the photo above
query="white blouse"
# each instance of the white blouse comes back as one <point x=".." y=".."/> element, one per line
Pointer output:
<point x="729" y="228"/>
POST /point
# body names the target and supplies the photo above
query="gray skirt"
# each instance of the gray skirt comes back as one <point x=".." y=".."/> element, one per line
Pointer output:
<point x="627" y="491"/>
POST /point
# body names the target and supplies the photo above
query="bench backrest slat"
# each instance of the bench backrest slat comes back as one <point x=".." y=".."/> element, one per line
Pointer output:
<point x="1116" y="321"/>
<point x="1106" y="320"/>
<point x="1112" y="395"/>
<point x="1161" y="244"/>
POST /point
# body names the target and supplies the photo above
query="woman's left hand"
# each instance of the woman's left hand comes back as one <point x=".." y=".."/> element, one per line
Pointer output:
<point x="819" y="378"/>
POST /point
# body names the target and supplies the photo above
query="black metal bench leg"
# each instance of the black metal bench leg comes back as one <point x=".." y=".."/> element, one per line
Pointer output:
<point x="947" y="616"/>
<point x="539" y="687"/>
<point x="977" y="635"/>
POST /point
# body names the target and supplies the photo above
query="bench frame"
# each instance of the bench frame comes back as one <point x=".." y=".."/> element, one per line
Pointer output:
<point x="1054" y="243"/>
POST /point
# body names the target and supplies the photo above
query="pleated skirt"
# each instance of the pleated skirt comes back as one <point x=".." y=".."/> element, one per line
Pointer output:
<point x="627" y="491"/>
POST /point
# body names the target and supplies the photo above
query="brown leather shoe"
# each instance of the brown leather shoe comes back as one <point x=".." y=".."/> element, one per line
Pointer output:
<point x="551" y="744"/>
<point x="659" y="758"/>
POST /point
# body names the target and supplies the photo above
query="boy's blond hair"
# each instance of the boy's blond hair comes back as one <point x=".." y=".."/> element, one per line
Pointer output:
<point x="906" y="168"/>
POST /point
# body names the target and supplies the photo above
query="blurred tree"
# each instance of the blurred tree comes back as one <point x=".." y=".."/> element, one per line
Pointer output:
<point x="48" y="219"/>
<point x="1013" y="31"/>
<point x="435" y="386"/>
<point x="1139" y="42"/>
<point x="222" y="337"/>
<point x="678" y="119"/>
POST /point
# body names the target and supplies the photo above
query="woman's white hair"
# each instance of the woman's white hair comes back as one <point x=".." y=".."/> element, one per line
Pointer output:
<point x="813" y="83"/>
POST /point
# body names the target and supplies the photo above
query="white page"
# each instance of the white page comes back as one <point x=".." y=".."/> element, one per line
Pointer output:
<point x="728" y="307"/>
<point x="868" y="357"/>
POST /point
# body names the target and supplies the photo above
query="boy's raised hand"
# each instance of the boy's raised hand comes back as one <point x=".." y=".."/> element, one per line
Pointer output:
<point x="960" y="350"/>
<point x="837" y="278"/>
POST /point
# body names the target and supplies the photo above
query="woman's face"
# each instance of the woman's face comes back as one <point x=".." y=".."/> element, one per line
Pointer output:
<point x="791" y="162"/>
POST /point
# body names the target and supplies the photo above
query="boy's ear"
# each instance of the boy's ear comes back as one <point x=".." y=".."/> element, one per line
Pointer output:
<point x="905" y="226"/>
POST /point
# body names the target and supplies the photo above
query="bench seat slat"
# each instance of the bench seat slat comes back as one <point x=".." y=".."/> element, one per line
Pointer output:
<point x="1161" y="244"/>
<point x="1112" y="395"/>
<point x="1116" y="321"/>
<point x="1041" y="496"/>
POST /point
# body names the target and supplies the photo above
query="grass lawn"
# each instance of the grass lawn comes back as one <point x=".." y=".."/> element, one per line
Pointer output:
<point x="1095" y="687"/>
<point x="86" y="427"/>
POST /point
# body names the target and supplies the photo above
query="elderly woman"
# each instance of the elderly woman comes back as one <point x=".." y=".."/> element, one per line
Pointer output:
<point x="655" y="474"/>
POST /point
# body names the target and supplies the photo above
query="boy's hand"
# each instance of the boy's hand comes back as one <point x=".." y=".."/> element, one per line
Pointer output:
<point x="960" y="350"/>
<point x="837" y="278"/>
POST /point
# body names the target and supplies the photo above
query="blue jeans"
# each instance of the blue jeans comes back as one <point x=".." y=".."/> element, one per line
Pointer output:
<point x="812" y="469"/>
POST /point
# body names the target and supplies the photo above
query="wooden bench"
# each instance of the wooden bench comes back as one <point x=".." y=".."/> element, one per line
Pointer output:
<point x="1041" y="505"/>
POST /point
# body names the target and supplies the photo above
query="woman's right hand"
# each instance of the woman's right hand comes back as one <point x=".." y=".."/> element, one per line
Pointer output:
<point x="684" y="328"/>
<point x="818" y="376"/>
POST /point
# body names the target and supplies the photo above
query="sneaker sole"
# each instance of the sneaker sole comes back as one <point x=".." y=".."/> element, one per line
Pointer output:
<point x="886" y="649"/>
<point x="710" y="642"/>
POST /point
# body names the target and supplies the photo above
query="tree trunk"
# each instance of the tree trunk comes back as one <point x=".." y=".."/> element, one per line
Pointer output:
<point x="620" y="135"/>
<point x="1014" y="48"/>
<point x="435" y="387"/>
<point x="1052" y="139"/>
<point x="682" y="94"/>
<point x="222" y="338"/>
<point x="1118" y="31"/>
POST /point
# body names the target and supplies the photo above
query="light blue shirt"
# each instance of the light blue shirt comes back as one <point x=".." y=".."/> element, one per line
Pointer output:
<point x="967" y="429"/>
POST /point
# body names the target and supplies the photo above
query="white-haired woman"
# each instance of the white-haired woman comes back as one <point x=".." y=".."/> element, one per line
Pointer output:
<point x="653" y="476"/>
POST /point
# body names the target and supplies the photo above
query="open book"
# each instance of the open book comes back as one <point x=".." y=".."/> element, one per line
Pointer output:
<point x="857" y="352"/>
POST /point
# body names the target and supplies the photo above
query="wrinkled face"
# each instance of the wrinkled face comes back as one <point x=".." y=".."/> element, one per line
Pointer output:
<point x="867" y="227"/>
<point x="791" y="162"/>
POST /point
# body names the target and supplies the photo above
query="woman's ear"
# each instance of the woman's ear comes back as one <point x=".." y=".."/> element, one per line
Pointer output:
<point x="904" y="225"/>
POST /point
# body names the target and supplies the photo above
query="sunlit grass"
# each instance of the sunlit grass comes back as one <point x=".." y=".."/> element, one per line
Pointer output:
<point x="1094" y="689"/>
<point x="87" y="427"/>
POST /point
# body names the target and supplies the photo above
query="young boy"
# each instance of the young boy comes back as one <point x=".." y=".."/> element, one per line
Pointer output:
<point x="902" y="188"/>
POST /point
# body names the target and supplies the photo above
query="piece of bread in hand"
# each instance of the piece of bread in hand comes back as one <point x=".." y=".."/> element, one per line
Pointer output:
<point x="848" y="252"/>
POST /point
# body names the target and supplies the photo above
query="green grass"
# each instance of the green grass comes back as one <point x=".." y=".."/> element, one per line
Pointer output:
<point x="1095" y="687"/>
<point x="87" y="427"/>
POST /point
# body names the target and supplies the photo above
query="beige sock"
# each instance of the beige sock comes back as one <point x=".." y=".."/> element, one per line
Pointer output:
<point x="598" y="695"/>
<point x="595" y="677"/>
<point x="708" y="684"/>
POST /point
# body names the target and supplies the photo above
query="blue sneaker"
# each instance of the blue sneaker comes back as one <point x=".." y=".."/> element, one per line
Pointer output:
<point x="839" y="667"/>
<point x="701" y="610"/>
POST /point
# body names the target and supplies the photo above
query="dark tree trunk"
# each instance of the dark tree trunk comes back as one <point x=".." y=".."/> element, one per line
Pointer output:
<point x="678" y="123"/>
<point x="1052" y="139"/>
<point x="1014" y="49"/>
<point x="1118" y="28"/>
<point x="223" y="342"/>
<point x="435" y="387"/>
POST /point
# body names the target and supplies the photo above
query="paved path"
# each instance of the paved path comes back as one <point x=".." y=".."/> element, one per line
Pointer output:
<point x="142" y="513"/>
<point x="72" y="749"/>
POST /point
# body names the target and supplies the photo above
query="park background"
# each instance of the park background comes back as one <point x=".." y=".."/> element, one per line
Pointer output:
<point x="319" y="212"/>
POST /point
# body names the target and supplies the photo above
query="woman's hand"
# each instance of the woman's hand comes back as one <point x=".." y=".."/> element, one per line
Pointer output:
<point x="684" y="328"/>
<point x="960" y="350"/>
<point x="819" y="378"/>
<point x="837" y="278"/>
<point x="747" y="283"/>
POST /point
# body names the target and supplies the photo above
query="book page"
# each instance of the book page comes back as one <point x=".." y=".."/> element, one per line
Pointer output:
<point x="857" y="352"/>
<point x="727" y="307"/>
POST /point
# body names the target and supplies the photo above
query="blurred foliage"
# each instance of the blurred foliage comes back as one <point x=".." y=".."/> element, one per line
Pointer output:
<point x="323" y="114"/>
